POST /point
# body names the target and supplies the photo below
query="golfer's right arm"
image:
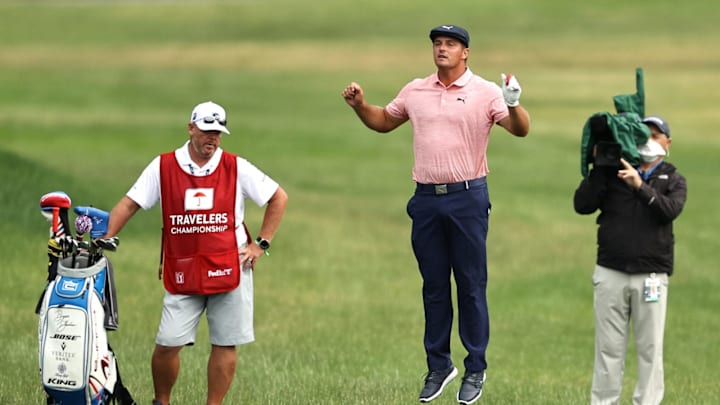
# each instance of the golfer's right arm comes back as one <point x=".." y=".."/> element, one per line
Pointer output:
<point x="374" y="117"/>
<point x="120" y="215"/>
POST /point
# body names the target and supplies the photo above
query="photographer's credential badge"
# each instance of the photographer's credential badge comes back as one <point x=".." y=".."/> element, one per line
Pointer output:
<point x="651" y="292"/>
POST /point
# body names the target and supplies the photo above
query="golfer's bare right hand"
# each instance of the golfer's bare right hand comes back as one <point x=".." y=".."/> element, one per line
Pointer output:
<point x="353" y="95"/>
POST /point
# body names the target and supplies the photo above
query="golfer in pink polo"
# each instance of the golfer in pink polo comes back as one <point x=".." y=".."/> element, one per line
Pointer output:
<point x="452" y="112"/>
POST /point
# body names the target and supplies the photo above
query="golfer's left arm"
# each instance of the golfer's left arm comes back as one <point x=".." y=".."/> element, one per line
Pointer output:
<point x="517" y="122"/>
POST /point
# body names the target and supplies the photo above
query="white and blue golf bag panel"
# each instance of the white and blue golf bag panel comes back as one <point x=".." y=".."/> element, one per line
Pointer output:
<point x="76" y="363"/>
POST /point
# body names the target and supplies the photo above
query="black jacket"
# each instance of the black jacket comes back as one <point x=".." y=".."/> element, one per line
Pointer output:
<point x="635" y="233"/>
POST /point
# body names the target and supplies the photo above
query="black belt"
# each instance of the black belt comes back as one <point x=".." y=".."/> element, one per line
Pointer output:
<point x="441" y="189"/>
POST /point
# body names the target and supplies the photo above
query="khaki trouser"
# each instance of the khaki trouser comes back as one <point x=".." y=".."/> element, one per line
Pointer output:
<point x="618" y="302"/>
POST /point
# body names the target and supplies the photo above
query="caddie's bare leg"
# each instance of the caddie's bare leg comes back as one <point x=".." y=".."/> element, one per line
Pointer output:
<point x="165" y="370"/>
<point x="220" y="372"/>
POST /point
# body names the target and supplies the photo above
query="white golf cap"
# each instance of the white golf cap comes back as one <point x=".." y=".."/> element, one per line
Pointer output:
<point x="209" y="116"/>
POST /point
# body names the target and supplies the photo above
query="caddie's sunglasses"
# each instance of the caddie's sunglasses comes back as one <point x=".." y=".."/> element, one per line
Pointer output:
<point x="210" y="120"/>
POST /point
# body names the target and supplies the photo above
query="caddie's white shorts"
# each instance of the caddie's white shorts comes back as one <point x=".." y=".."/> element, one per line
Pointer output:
<point x="230" y="316"/>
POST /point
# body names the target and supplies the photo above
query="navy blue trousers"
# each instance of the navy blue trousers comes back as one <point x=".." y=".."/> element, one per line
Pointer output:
<point x="449" y="233"/>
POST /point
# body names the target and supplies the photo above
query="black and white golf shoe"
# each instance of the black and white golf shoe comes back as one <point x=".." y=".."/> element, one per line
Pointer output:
<point x="435" y="382"/>
<point x="471" y="388"/>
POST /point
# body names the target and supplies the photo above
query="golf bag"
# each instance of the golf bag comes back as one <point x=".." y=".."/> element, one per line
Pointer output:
<point x="78" y="306"/>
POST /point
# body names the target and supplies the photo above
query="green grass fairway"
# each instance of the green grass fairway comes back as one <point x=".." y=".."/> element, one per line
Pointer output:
<point x="92" y="90"/>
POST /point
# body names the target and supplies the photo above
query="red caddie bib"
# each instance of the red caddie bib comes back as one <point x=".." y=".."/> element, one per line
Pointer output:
<point x="199" y="243"/>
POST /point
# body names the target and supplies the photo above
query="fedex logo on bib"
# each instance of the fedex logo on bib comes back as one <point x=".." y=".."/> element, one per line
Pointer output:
<point x="199" y="199"/>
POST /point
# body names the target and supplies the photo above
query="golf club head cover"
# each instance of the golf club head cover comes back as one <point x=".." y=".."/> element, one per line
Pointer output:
<point x="54" y="206"/>
<point x="83" y="225"/>
<point x="511" y="90"/>
<point x="54" y="248"/>
<point x="99" y="219"/>
<point x="55" y="199"/>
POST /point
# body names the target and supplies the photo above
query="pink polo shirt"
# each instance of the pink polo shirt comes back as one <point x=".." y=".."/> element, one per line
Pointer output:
<point x="451" y="125"/>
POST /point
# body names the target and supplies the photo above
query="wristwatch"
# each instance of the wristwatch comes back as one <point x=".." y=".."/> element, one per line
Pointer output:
<point x="263" y="243"/>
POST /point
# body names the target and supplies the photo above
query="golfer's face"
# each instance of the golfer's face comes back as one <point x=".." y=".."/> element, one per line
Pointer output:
<point x="448" y="52"/>
<point x="204" y="143"/>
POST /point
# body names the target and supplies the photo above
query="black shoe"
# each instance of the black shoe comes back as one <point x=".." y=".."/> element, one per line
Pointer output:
<point x="435" y="382"/>
<point x="471" y="388"/>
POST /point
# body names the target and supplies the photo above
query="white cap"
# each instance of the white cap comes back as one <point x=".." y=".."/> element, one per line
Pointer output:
<point x="209" y="116"/>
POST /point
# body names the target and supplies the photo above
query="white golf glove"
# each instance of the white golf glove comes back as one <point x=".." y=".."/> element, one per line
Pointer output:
<point x="511" y="90"/>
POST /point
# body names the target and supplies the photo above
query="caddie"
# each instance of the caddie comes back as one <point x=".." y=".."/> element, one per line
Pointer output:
<point x="208" y="257"/>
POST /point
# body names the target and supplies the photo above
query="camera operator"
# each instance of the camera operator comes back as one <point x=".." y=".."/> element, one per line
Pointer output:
<point x="635" y="245"/>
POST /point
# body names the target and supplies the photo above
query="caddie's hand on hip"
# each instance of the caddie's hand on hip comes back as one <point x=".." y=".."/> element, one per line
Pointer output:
<point x="353" y="95"/>
<point x="511" y="90"/>
<point x="249" y="255"/>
